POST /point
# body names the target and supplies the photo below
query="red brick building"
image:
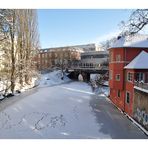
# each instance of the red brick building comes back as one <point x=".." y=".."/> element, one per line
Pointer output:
<point x="122" y="78"/>
<point x="51" y="57"/>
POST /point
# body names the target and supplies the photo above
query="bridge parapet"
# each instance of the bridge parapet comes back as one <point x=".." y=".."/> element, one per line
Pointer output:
<point x="88" y="68"/>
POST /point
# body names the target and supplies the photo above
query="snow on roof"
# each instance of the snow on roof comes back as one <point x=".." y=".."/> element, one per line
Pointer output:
<point x="139" y="62"/>
<point x="131" y="41"/>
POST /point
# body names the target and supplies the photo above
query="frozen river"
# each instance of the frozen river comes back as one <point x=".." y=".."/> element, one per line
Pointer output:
<point x="64" y="111"/>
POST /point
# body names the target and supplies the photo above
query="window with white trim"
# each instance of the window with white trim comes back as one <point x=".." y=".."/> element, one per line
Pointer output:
<point x="117" y="77"/>
<point x="118" y="93"/>
<point x="118" y="58"/>
<point x="110" y="74"/>
<point x="140" y="76"/>
<point x="127" y="97"/>
<point x="129" y="77"/>
<point x="111" y="56"/>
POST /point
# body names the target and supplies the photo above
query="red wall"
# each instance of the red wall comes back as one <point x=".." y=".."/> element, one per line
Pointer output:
<point x="131" y="53"/>
<point x="127" y="55"/>
<point x="129" y="86"/>
<point x="119" y="102"/>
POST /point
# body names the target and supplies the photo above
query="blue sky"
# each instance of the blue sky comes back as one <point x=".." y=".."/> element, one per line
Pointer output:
<point x="63" y="27"/>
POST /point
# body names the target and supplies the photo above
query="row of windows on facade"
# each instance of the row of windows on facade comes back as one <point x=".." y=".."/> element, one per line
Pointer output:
<point x="117" y="58"/>
<point x="94" y="56"/>
<point x="58" y="50"/>
<point x="53" y="61"/>
<point x="63" y="54"/>
<point x="86" y="65"/>
<point x="139" y="76"/>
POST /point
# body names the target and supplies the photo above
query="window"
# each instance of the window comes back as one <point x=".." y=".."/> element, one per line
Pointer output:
<point x="118" y="57"/>
<point x="129" y="77"/>
<point x="118" y="93"/>
<point x="127" y="97"/>
<point x="111" y="56"/>
<point x="117" y="77"/>
<point x="140" y="76"/>
<point x="110" y="74"/>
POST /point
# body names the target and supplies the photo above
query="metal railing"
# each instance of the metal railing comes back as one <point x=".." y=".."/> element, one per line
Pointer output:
<point x="91" y="67"/>
<point x="141" y="85"/>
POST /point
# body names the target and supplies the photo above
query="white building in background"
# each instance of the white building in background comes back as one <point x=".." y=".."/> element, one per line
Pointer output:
<point x="99" y="47"/>
<point x="92" y="59"/>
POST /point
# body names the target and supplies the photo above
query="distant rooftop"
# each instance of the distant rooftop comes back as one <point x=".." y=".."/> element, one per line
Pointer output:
<point x="80" y="46"/>
<point x="139" y="62"/>
<point x="138" y="40"/>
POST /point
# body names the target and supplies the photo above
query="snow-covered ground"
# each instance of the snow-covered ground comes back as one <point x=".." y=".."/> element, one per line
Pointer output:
<point x="52" y="78"/>
<point x="18" y="87"/>
<point x="44" y="80"/>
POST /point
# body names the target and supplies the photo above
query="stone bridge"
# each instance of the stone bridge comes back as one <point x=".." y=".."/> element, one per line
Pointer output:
<point x="86" y="71"/>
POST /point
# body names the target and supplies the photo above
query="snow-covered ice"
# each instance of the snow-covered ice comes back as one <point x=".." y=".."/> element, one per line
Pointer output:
<point x="69" y="110"/>
<point x="52" y="112"/>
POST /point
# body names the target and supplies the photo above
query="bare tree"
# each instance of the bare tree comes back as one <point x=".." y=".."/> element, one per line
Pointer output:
<point x="108" y="43"/>
<point x="61" y="59"/>
<point x="19" y="41"/>
<point x="137" y="21"/>
<point x="7" y="25"/>
<point x="32" y="42"/>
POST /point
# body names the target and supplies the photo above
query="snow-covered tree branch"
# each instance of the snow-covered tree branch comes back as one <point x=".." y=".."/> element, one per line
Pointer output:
<point x="137" y="21"/>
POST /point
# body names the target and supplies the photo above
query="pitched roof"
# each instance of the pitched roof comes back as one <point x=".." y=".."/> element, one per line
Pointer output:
<point x="131" y="41"/>
<point x="139" y="62"/>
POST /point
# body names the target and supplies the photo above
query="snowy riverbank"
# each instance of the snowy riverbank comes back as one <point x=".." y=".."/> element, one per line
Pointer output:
<point x="44" y="80"/>
<point x="52" y="78"/>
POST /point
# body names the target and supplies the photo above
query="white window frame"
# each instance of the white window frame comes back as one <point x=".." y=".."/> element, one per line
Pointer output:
<point x="111" y="56"/>
<point x="118" y="93"/>
<point x="117" y="78"/>
<point x="128" y="77"/>
<point x="118" y="58"/>
<point x="110" y="74"/>
<point x="129" y="97"/>
<point x="141" y="74"/>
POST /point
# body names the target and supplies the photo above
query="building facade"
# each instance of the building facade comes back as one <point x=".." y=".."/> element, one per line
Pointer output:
<point x="92" y="59"/>
<point x="121" y="78"/>
<point x="55" y="57"/>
